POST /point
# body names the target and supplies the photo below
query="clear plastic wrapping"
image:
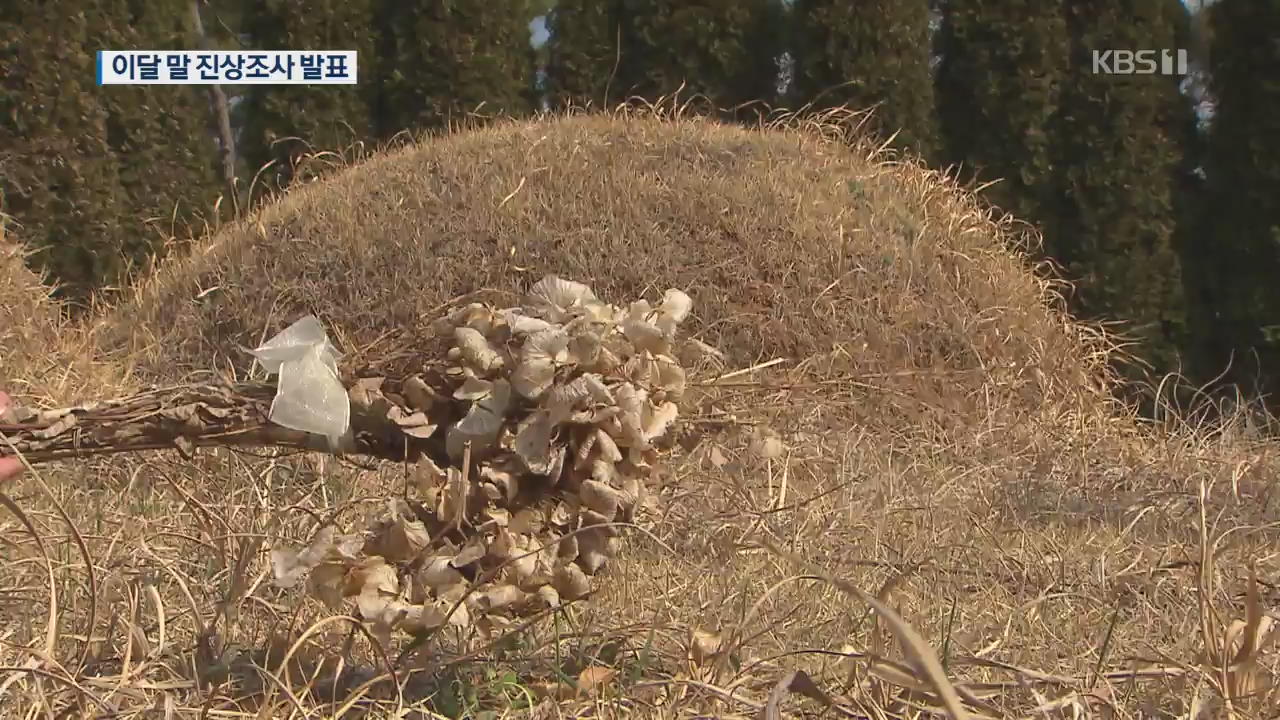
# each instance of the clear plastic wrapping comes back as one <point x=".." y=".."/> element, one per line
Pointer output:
<point x="309" y="395"/>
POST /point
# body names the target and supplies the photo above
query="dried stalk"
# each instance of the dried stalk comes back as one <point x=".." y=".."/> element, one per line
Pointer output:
<point x="187" y="417"/>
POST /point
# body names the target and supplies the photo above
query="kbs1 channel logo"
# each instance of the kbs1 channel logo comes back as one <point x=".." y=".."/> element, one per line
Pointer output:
<point x="1140" y="62"/>
<point x="231" y="67"/>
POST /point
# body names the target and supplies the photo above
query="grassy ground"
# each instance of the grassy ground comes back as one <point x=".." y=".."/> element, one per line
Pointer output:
<point x="916" y="418"/>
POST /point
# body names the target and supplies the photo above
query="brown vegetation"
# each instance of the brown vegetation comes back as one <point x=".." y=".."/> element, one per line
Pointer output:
<point x="40" y="359"/>
<point x="901" y="403"/>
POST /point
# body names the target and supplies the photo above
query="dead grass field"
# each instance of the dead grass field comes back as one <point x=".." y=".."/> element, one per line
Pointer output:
<point x="946" y="444"/>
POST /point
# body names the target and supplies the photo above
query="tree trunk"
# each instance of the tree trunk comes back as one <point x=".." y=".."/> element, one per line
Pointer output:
<point x="221" y="117"/>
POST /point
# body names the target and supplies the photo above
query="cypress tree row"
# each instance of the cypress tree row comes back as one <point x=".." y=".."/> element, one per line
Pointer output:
<point x="998" y="91"/>
<point x="724" y="50"/>
<point x="60" y="176"/>
<point x="1120" y="146"/>
<point x="445" y="60"/>
<point x="1240" y="249"/>
<point x="322" y="117"/>
<point x="868" y="52"/>
<point x="160" y="133"/>
<point x="583" y="51"/>
<point x="99" y="177"/>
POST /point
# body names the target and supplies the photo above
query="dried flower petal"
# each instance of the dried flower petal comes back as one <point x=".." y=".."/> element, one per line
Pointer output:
<point x="557" y="298"/>
<point x="482" y="423"/>
<point x="476" y="350"/>
<point x="571" y="582"/>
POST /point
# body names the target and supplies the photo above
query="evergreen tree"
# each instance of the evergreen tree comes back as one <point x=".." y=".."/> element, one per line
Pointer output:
<point x="445" y="60"/>
<point x="320" y="117"/>
<point x="583" y="52"/>
<point x="160" y="133"/>
<point x="1120" y="149"/>
<point x="59" y="176"/>
<point x="1240" y="250"/>
<point x="998" y="89"/>
<point x="866" y="53"/>
<point x="724" y="50"/>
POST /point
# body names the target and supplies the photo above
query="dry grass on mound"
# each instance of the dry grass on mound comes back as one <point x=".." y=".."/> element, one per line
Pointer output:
<point x="932" y="431"/>
<point x="791" y="246"/>
<point x="43" y="357"/>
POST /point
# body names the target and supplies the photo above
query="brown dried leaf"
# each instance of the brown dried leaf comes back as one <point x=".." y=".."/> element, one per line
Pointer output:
<point x="497" y="518"/>
<point x="372" y="575"/>
<point x="476" y="351"/>
<point x="289" y="565"/>
<point x="415" y="424"/>
<point x="507" y="484"/>
<point x="522" y="324"/>
<point x="557" y="299"/>
<point x="327" y="581"/>
<point x="593" y="550"/>
<point x="419" y="394"/>
<point x="501" y="545"/>
<point x="527" y="521"/>
<point x="563" y="512"/>
<point x="464" y="315"/>
<point x="481" y="318"/>
<point x="524" y="565"/>
<point x="533" y="444"/>
<point x="590" y="518"/>
<point x="561" y="400"/>
<point x="584" y="349"/>
<point x="704" y="646"/>
<point x="717" y="457"/>
<point x="402" y="536"/>
<point x="382" y="612"/>
<point x="499" y="597"/>
<point x="438" y="573"/>
<point x="595" y="680"/>
<point x="548" y="596"/>
<point x="570" y="582"/>
<point x="475" y="549"/>
<point x="365" y="391"/>
<point x="642" y="332"/>
<point x="633" y="497"/>
<point x="583" y="454"/>
<point x="537" y="367"/>
<point x="631" y="404"/>
<point x="601" y="498"/>
<point x="448" y="611"/>
<point x="656" y="372"/>
<point x="482" y="424"/>
<point x="473" y="388"/>
<point x="567" y="549"/>
<point x="797" y="682"/>
<point x="657" y="420"/>
<point x="608" y="449"/>
<point x="218" y="413"/>
<point x="558" y="454"/>
<point x="387" y="614"/>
